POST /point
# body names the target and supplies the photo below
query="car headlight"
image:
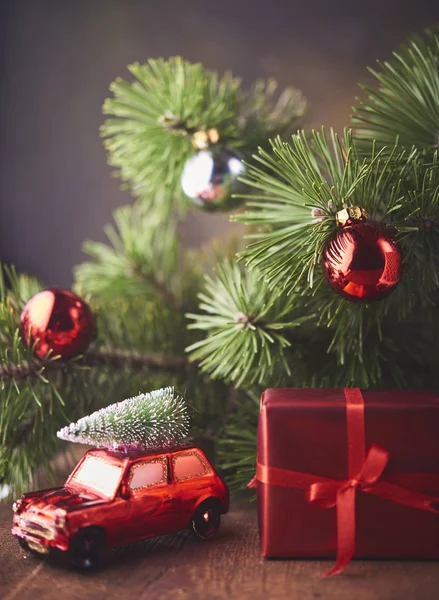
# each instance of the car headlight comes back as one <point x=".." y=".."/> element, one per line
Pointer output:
<point x="60" y="522"/>
<point x="17" y="505"/>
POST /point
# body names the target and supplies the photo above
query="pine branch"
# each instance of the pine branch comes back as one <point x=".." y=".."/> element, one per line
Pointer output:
<point x="295" y="180"/>
<point x="159" y="288"/>
<point x="122" y="359"/>
<point x="417" y="220"/>
<point x="316" y="178"/>
<point x="405" y="105"/>
<point x="141" y="259"/>
<point x="266" y="114"/>
<point x="149" y="153"/>
<point x="176" y="125"/>
<point x="149" y="136"/>
<point x="237" y="442"/>
<point x="275" y="324"/>
<point x="102" y="358"/>
<point x="20" y="373"/>
<point x="246" y="325"/>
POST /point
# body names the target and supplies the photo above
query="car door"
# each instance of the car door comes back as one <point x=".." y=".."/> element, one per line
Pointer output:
<point x="193" y="477"/>
<point x="153" y="509"/>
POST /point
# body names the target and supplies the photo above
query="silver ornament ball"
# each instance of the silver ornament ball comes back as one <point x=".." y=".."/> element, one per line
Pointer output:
<point x="210" y="178"/>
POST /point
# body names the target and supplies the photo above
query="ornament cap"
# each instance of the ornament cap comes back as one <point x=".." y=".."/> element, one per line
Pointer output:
<point x="350" y="215"/>
<point x="201" y="140"/>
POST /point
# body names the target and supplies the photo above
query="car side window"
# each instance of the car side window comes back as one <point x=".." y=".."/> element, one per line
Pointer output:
<point x="188" y="465"/>
<point x="147" y="473"/>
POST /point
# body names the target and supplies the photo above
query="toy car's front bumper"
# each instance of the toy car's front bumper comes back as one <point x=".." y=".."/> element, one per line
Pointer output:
<point x="40" y="536"/>
<point x="33" y="542"/>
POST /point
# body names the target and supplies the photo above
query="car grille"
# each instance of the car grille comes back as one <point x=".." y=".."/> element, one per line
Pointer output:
<point x="37" y="526"/>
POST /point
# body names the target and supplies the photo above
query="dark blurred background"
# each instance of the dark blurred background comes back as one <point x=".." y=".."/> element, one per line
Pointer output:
<point x="57" y="59"/>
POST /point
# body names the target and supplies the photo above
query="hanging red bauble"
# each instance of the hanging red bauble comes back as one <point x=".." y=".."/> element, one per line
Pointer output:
<point x="363" y="261"/>
<point x="57" y="320"/>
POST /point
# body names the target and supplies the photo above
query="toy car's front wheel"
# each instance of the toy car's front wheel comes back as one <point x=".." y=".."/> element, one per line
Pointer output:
<point x="28" y="548"/>
<point x="87" y="548"/>
<point x="206" y="520"/>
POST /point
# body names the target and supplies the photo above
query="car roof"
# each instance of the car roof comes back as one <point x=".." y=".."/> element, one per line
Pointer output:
<point x="121" y="455"/>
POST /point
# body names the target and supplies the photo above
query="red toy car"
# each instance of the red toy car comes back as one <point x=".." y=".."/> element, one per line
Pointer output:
<point x="114" y="498"/>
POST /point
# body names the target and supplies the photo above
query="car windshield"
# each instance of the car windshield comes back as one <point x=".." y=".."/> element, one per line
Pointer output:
<point x="98" y="474"/>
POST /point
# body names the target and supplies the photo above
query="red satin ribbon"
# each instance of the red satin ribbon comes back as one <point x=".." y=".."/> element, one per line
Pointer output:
<point x="364" y="475"/>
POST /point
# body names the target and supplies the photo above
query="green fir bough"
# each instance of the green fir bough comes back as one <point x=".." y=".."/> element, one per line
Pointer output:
<point x="152" y="120"/>
<point x="404" y="106"/>
<point x="266" y="319"/>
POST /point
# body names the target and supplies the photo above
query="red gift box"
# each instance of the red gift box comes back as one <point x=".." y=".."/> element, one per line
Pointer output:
<point x="348" y="473"/>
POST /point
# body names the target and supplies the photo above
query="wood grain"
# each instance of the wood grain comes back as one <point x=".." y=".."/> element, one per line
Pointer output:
<point x="228" y="566"/>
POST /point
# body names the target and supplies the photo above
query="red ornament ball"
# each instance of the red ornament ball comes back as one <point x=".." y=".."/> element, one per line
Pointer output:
<point x="57" y="320"/>
<point x="362" y="262"/>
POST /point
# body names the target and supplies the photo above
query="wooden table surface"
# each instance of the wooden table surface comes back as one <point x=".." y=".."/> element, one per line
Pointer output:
<point x="228" y="566"/>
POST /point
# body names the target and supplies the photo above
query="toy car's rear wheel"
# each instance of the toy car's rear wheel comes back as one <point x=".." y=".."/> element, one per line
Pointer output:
<point x="87" y="549"/>
<point x="206" y="520"/>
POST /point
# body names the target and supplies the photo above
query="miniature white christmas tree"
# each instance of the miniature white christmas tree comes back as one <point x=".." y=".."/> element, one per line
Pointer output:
<point x="150" y="421"/>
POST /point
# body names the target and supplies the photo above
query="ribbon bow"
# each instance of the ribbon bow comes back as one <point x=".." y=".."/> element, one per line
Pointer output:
<point x="342" y="495"/>
<point x="365" y="472"/>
